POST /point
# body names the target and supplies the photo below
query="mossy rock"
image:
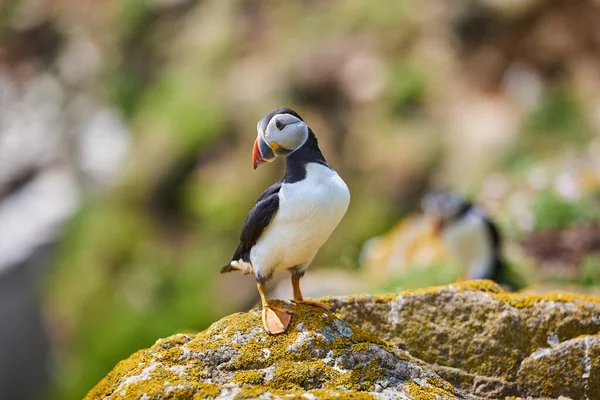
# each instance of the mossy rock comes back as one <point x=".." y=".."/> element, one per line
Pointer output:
<point x="482" y="339"/>
<point x="571" y="368"/>
<point x="320" y="356"/>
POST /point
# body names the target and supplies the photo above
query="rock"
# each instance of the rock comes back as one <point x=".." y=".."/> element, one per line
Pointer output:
<point x="487" y="341"/>
<point x="439" y="342"/>
<point x="575" y="361"/>
<point x="320" y="356"/>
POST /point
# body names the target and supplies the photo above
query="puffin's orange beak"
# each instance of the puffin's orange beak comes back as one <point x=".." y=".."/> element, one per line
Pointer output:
<point x="261" y="153"/>
<point x="256" y="156"/>
<point x="435" y="226"/>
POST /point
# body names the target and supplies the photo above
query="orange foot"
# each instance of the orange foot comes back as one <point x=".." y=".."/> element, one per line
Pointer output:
<point x="275" y="320"/>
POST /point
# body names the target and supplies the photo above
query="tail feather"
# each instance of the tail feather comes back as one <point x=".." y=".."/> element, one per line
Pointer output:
<point x="227" y="268"/>
<point x="238" y="265"/>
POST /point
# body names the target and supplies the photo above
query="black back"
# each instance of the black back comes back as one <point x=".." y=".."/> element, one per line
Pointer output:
<point x="257" y="221"/>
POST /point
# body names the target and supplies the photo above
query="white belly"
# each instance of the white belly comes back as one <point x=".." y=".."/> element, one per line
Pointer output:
<point x="308" y="213"/>
<point x="468" y="241"/>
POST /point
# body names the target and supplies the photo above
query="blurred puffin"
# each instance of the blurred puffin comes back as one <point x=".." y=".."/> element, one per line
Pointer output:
<point x="294" y="217"/>
<point x="468" y="233"/>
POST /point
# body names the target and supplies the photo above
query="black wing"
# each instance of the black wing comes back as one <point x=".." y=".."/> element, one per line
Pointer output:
<point x="494" y="233"/>
<point x="258" y="219"/>
<point x="273" y="189"/>
<point x="499" y="267"/>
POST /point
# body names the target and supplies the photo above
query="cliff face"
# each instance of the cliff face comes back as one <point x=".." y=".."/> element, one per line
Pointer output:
<point x="469" y="339"/>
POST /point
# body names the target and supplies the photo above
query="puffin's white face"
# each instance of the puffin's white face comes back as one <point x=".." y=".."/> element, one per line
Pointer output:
<point x="280" y="136"/>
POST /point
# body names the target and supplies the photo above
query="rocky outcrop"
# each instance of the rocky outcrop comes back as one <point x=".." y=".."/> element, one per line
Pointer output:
<point x="447" y="342"/>
<point x="571" y="368"/>
<point x="320" y="356"/>
<point x="487" y="341"/>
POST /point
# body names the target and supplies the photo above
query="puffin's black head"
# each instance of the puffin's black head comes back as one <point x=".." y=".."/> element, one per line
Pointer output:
<point x="442" y="207"/>
<point x="280" y="133"/>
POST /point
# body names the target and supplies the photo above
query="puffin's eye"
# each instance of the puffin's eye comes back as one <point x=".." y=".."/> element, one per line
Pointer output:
<point x="279" y="125"/>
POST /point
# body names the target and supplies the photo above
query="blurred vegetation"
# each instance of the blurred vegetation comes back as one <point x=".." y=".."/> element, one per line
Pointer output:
<point x="403" y="97"/>
<point x="590" y="272"/>
<point x="555" y="124"/>
<point x="552" y="211"/>
<point x="430" y="275"/>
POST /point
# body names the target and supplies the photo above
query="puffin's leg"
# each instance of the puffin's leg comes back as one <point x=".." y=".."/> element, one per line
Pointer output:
<point x="275" y="320"/>
<point x="296" y="275"/>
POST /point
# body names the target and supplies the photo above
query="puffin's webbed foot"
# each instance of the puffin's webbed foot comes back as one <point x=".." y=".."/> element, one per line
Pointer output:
<point x="275" y="320"/>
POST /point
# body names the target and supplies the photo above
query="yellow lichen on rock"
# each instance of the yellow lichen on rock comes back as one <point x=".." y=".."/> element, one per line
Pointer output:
<point x="569" y="368"/>
<point x="234" y="358"/>
<point x="474" y="334"/>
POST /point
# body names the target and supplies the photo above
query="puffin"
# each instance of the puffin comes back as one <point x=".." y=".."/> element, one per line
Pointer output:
<point x="294" y="217"/>
<point x="469" y="234"/>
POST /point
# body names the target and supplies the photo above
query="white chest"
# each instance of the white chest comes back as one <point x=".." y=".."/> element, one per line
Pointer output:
<point x="468" y="241"/>
<point x="309" y="211"/>
<point x="320" y="198"/>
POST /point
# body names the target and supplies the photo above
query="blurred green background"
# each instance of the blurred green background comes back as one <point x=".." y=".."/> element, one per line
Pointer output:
<point x="126" y="130"/>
